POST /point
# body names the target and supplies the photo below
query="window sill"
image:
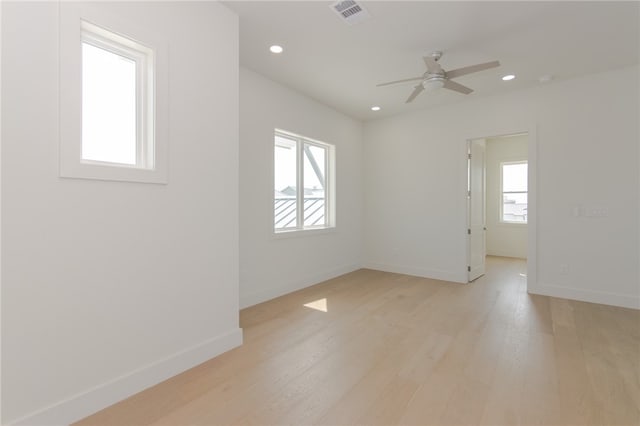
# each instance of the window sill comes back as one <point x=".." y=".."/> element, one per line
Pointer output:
<point x="121" y="173"/>
<point x="509" y="224"/>
<point x="297" y="233"/>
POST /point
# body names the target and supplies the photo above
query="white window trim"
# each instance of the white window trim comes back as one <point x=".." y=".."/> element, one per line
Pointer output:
<point x="501" y="209"/>
<point x="330" y="188"/>
<point x="144" y="59"/>
<point x="77" y="20"/>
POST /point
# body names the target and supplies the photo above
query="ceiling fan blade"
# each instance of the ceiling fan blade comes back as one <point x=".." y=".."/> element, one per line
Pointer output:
<point x="401" y="81"/>
<point x="472" y="68"/>
<point x="452" y="85"/>
<point x="432" y="65"/>
<point x="416" y="91"/>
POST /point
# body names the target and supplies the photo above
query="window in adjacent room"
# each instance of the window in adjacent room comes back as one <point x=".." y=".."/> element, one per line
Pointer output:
<point x="514" y="192"/>
<point x="303" y="183"/>
<point x="117" y="100"/>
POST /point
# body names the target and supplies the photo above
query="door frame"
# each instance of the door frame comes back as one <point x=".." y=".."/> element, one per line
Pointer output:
<point x="470" y="225"/>
<point x="532" y="215"/>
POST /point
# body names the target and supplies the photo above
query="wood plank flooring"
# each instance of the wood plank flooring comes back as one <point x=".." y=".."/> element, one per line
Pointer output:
<point x="394" y="349"/>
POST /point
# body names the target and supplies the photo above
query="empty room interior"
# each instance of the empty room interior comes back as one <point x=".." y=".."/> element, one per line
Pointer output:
<point x="317" y="212"/>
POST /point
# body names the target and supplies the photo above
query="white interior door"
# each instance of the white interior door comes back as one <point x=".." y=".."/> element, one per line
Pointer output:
<point x="477" y="211"/>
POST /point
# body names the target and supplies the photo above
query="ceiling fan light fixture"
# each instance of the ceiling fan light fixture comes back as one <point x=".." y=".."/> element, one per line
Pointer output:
<point x="433" y="84"/>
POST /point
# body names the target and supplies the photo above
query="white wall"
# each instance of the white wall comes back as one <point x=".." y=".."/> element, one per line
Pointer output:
<point x="587" y="139"/>
<point x="503" y="239"/>
<point x="109" y="287"/>
<point x="271" y="266"/>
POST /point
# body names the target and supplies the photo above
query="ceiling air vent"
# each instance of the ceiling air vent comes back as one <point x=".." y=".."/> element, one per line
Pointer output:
<point x="350" y="11"/>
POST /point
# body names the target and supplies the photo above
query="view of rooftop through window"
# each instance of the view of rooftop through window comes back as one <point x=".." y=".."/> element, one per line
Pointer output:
<point x="299" y="163"/>
<point x="285" y="175"/>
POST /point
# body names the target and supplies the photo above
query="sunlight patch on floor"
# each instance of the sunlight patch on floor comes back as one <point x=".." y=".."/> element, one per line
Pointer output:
<point x="318" y="305"/>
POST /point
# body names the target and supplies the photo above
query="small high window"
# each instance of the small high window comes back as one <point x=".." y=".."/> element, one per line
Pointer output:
<point x="117" y="99"/>
<point x="303" y="183"/>
<point x="114" y="98"/>
<point x="514" y="192"/>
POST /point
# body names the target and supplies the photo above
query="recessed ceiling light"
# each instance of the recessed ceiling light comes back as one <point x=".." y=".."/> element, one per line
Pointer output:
<point x="276" y="49"/>
<point x="375" y="108"/>
<point x="508" y="77"/>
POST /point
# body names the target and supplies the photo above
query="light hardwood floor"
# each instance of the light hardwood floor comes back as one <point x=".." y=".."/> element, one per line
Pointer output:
<point x="394" y="349"/>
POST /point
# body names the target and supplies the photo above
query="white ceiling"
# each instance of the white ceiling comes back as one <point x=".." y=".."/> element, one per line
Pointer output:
<point x="340" y="65"/>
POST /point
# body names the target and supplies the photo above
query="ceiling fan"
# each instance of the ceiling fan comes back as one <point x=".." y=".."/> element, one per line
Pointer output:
<point x="435" y="77"/>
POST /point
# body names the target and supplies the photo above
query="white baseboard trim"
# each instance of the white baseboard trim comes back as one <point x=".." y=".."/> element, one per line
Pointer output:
<point x="456" y="277"/>
<point x="583" y="295"/>
<point x="298" y="284"/>
<point x="92" y="400"/>
<point x="507" y="254"/>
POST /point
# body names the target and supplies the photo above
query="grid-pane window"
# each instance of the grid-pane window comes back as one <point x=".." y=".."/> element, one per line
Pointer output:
<point x="514" y="192"/>
<point x="302" y="180"/>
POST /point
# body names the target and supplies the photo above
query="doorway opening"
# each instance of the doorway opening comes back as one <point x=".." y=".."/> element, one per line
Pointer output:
<point x="500" y="200"/>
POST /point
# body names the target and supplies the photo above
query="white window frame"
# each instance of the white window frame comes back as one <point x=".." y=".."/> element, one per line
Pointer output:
<point x="143" y="57"/>
<point x="88" y="23"/>
<point x="501" y="209"/>
<point x="329" y="189"/>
